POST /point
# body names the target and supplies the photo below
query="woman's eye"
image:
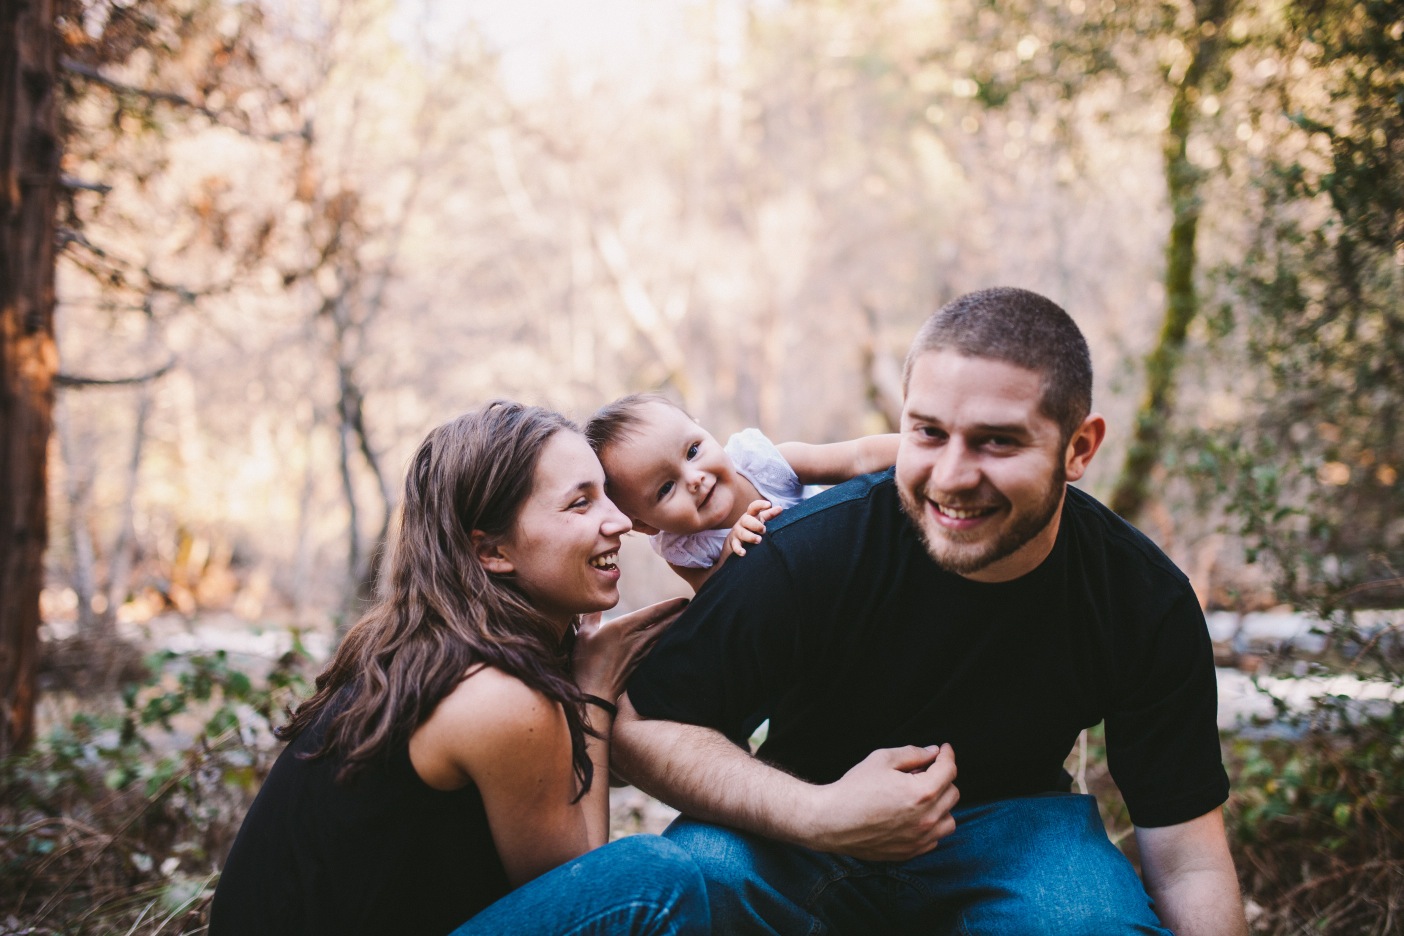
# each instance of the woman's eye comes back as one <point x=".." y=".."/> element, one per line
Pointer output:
<point x="580" y="503"/>
<point x="692" y="451"/>
<point x="665" y="490"/>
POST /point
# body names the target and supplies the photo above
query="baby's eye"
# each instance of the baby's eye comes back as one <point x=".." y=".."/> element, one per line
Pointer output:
<point x="665" y="490"/>
<point x="692" y="451"/>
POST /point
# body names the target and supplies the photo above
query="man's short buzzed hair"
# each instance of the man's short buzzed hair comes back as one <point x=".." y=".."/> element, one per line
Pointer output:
<point x="1020" y="328"/>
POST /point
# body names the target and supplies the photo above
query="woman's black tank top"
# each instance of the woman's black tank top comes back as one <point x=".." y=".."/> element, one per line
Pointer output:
<point x="385" y="853"/>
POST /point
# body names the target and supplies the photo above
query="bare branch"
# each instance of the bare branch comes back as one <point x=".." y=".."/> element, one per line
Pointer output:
<point x="219" y="118"/>
<point x="70" y="381"/>
<point x="73" y="182"/>
<point x="642" y="311"/>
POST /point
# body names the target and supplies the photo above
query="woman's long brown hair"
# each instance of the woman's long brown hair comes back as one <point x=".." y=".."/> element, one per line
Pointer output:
<point x="439" y="613"/>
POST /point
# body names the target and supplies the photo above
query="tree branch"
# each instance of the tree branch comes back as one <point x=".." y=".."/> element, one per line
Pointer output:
<point x="219" y="118"/>
<point x="71" y="381"/>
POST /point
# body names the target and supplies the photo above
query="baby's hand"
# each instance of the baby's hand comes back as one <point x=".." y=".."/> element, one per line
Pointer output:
<point x="750" y="527"/>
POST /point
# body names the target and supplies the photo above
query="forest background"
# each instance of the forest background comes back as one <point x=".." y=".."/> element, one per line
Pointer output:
<point x="254" y="250"/>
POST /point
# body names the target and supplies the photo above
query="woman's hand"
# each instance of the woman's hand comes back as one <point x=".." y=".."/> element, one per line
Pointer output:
<point x="606" y="652"/>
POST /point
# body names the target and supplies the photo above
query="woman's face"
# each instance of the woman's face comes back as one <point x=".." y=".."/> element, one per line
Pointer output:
<point x="564" y="548"/>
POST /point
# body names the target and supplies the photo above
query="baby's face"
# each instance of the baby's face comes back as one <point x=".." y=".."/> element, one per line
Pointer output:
<point x="669" y="474"/>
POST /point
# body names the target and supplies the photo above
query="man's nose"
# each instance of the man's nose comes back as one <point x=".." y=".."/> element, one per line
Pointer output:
<point x="955" y="469"/>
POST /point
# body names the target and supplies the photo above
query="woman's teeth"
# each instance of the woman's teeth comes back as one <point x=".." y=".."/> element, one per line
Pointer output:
<point x="605" y="561"/>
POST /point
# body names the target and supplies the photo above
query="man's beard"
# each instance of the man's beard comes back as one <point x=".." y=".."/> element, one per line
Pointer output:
<point x="965" y="559"/>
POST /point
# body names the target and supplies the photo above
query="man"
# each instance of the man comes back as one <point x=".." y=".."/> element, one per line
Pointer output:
<point x="967" y="604"/>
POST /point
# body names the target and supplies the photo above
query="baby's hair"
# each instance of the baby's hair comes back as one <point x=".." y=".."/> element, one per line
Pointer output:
<point x="615" y="422"/>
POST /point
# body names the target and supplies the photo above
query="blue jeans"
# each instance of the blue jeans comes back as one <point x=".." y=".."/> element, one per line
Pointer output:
<point x="1033" y="865"/>
<point x="636" y="886"/>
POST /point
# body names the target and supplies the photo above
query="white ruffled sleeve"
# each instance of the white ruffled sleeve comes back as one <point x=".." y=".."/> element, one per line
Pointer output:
<point x="690" y="550"/>
<point x="759" y="460"/>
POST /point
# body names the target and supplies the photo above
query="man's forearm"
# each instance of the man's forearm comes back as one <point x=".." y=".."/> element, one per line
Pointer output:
<point x="1202" y="903"/>
<point x="1189" y="872"/>
<point x="892" y="806"/>
<point x="700" y="772"/>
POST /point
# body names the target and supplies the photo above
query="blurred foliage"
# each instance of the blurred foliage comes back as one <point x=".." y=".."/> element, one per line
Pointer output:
<point x="1302" y="453"/>
<point x="1317" y="819"/>
<point x="116" y="822"/>
<point x="1307" y="466"/>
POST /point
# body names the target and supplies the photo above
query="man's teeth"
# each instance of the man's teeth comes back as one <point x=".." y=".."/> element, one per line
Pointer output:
<point x="956" y="513"/>
<point x="605" y="561"/>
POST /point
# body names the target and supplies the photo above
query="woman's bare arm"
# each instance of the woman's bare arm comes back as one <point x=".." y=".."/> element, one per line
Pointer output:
<point x="513" y="743"/>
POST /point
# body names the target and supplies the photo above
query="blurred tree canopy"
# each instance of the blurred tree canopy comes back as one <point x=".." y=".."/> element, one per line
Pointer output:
<point x="292" y="238"/>
<point x="1311" y="321"/>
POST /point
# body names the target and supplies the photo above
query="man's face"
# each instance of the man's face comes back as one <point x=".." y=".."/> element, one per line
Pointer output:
<point x="981" y="470"/>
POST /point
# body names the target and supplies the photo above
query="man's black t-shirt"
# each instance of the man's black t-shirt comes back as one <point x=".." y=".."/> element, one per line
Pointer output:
<point x="384" y="853"/>
<point x="841" y="630"/>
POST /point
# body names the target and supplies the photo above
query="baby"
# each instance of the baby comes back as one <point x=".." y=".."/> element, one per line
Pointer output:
<point x="700" y="502"/>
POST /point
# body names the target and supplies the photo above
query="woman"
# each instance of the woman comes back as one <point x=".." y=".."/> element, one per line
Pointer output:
<point x="453" y="763"/>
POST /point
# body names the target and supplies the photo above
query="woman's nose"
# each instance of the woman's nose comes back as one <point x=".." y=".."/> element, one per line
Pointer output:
<point x="615" y="521"/>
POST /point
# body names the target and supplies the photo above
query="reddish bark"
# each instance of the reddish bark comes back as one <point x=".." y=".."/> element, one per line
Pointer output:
<point x="29" y="164"/>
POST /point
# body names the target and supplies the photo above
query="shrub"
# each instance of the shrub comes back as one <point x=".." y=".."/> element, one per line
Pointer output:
<point x="115" y="822"/>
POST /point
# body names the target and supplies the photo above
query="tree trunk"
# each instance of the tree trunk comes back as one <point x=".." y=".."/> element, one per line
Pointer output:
<point x="29" y="157"/>
<point x="1183" y="181"/>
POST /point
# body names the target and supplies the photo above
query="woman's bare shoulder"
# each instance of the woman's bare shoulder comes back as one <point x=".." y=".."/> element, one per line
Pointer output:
<point x="491" y="698"/>
<point x="490" y="718"/>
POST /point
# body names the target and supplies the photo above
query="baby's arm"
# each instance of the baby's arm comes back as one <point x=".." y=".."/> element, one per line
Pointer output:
<point x="695" y="577"/>
<point x="839" y="461"/>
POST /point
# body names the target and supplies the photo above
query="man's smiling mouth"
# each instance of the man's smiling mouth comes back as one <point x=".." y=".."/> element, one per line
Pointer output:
<point x="962" y="513"/>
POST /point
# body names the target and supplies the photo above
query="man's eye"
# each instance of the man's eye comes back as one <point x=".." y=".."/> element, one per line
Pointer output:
<point x="665" y="490"/>
<point x="692" y="451"/>
<point x="931" y="432"/>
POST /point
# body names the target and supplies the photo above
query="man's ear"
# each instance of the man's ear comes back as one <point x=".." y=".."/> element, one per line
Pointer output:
<point x="490" y="554"/>
<point x="644" y="528"/>
<point x="1083" y="445"/>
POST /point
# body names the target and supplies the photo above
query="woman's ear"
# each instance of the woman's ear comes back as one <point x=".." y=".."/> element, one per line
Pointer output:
<point x="490" y="554"/>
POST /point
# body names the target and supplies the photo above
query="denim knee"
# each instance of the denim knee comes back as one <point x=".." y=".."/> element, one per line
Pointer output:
<point x="1055" y="870"/>
<point x="722" y="855"/>
<point x="670" y="871"/>
<point x="667" y="880"/>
